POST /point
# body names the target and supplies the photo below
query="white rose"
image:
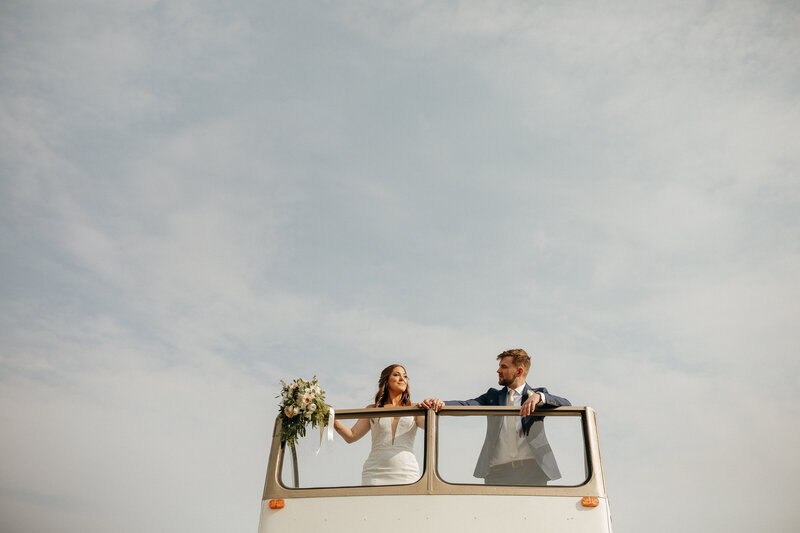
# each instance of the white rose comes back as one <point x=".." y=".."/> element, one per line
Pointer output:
<point x="312" y="407"/>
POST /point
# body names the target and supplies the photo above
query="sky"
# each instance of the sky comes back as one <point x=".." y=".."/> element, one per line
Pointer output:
<point x="199" y="199"/>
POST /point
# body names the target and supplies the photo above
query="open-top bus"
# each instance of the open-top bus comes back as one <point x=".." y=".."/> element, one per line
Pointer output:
<point x="319" y="488"/>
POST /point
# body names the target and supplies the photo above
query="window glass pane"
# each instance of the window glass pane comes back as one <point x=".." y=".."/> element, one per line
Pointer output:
<point x="473" y="451"/>
<point x="372" y="460"/>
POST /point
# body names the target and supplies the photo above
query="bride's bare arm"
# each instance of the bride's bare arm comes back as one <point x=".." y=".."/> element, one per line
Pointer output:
<point x="359" y="429"/>
<point x="420" y="421"/>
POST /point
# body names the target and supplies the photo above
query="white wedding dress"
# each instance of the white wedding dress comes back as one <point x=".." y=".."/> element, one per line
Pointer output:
<point x="391" y="463"/>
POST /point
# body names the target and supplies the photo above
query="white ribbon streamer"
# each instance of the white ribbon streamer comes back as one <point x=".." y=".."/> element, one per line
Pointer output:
<point x="331" y="419"/>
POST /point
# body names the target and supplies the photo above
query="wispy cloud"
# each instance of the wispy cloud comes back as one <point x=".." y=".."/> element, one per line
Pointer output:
<point x="197" y="201"/>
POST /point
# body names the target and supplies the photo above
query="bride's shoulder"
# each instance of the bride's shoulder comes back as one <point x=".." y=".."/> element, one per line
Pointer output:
<point x="371" y="406"/>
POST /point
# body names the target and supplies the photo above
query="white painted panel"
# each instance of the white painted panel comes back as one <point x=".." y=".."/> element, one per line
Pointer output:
<point x="447" y="513"/>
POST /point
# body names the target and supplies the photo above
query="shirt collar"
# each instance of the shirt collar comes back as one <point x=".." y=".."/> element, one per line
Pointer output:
<point x="519" y="389"/>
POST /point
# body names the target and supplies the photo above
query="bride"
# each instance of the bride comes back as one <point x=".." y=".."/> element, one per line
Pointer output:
<point x="391" y="460"/>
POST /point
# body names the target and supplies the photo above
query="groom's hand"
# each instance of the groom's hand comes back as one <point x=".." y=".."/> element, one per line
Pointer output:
<point x="431" y="403"/>
<point x="529" y="406"/>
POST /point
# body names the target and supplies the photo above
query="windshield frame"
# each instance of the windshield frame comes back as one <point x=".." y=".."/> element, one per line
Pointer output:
<point x="430" y="482"/>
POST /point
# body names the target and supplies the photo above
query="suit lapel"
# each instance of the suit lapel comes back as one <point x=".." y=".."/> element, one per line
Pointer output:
<point x="527" y="422"/>
<point x="496" y="422"/>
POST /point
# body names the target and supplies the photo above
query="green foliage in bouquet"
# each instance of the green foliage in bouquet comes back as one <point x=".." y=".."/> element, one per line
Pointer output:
<point x="302" y="403"/>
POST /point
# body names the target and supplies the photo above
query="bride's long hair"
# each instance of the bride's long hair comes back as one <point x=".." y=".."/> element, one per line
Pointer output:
<point x="383" y="388"/>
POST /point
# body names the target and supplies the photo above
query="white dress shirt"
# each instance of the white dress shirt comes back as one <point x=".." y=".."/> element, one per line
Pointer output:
<point x="501" y="451"/>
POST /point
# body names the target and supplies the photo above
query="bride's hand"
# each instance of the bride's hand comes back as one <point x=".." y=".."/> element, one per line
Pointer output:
<point x="431" y="403"/>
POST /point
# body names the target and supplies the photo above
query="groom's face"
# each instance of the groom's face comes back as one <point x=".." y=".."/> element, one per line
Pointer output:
<point x="506" y="371"/>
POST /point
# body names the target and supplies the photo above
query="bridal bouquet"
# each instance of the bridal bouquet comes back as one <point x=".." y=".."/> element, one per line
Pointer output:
<point x="302" y="403"/>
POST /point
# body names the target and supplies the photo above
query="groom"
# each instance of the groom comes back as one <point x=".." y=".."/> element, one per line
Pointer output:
<point x="515" y="450"/>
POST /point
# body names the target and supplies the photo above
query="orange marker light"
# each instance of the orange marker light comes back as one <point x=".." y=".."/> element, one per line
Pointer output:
<point x="590" y="501"/>
<point x="278" y="504"/>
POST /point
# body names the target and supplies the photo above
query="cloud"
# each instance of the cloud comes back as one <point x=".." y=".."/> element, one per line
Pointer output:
<point x="196" y="202"/>
<point x="125" y="444"/>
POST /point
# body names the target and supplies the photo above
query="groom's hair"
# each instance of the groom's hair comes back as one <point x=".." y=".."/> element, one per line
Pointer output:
<point x="519" y="358"/>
